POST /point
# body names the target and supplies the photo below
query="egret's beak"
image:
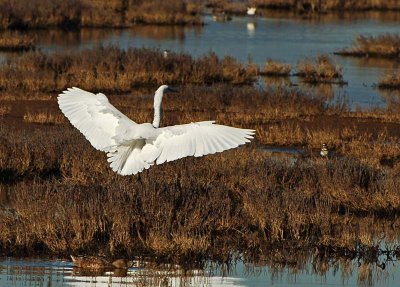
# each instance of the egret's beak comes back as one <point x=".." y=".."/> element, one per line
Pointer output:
<point x="171" y="90"/>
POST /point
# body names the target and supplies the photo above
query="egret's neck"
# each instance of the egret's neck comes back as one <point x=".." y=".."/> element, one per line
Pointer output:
<point x="157" y="108"/>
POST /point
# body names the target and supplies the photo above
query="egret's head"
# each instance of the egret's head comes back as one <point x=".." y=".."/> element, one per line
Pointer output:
<point x="167" y="89"/>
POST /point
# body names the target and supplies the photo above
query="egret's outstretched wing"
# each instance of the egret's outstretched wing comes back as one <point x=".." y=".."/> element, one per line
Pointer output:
<point x="94" y="116"/>
<point x="175" y="142"/>
<point x="198" y="139"/>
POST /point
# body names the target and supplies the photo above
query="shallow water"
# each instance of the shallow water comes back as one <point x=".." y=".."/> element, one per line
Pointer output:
<point x="39" y="272"/>
<point x="257" y="38"/>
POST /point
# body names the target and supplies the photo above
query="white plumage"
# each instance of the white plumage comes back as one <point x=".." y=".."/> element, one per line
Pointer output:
<point x="133" y="147"/>
<point x="251" y="11"/>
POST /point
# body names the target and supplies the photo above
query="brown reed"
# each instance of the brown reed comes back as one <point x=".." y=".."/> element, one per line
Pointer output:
<point x="320" y="70"/>
<point x="275" y="68"/>
<point x="390" y="80"/>
<point x="328" y="5"/>
<point x="183" y="209"/>
<point x="16" y="42"/>
<point x="4" y="110"/>
<point x="43" y="117"/>
<point x="385" y="46"/>
<point x="113" y="69"/>
<point x="73" y="14"/>
<point x="63" y="198"/>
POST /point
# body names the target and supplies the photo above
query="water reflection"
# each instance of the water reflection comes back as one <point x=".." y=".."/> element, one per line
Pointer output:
<point x="163" y="32"/>
<point x="277" y="81"/>
<point x="251" y="28"/>
<point x="323" y="90"/>
<point x="388" y="16"/>
<point x="379" y="63"/>
<point x="300" y="269"/>
<point x="85" y="38"/>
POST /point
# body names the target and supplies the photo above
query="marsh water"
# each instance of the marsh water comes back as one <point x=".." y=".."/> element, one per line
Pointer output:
<point x="40" y="272"/>
<point x="256" y="39"/>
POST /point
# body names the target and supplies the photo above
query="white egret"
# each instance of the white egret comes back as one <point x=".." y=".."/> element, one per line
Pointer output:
<point x="133" y="147"/>
<point x="251" y="11"/>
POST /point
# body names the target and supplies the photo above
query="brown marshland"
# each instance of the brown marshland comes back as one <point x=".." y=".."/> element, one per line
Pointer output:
<point x="59" y="196"/>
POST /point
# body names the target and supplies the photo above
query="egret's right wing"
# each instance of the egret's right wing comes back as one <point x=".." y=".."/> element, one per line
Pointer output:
<point x="198" y="139"/>
<point x="94" y="116"/>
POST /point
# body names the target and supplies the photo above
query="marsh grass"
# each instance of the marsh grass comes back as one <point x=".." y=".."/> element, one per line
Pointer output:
<point x="275" y="68"/>
<point x="303" y="6"/>
<point x="63" y="198"/>
<point x="320" y="70"/>
<point x="4" y="110"/>
<point x="43" y="118"/>
<point x="306" y="6"/>
<point x="16" y="42"/>
<point x="227" y="7"/>
<point x="112" y="69"/>
<point x="73" y="14"/>
<point x="24" y="14"/>
<point x="391" y="80"/>
<point x="181" y="210"/>
<point x="164" y="12"/>
<point x="384" y="46"/>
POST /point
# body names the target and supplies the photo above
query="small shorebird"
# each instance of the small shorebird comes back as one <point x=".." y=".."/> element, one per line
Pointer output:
<point x="166" y="53"/>
<point x="324" y="151"/>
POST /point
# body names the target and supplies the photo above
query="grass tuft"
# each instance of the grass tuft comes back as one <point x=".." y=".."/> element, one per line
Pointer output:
<point x="385" y="46"/>
<point x="391" y="80"/>
<point x="16" y="42"/>
<point x="43" y="118"/>
<point x="275" y="68"/>
<point x="111" y="69"/>
<point x="322" y="70"/>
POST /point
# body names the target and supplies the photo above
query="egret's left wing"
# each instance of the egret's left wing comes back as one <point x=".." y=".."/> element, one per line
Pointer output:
<point x="198" y="139"/>
<point x="94" y="116"/>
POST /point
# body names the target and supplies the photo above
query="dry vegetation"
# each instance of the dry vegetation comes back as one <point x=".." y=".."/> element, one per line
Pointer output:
<point x="391" y="80"/>
<point x="63" y="198"/>
<point x="43" y="118"/>
<point x="321" y="70"/>
<point x="328" y="5"/>
<point x="116" y="70"/>
<point x="72" y="14"/>
<point x="275" y="68"/>
<point x="304" y="6"/>
<point x="386" y="46"/>
<point x="4" y="110"/>
<point x="16" y="42"/>
<point x="164" y="12"/>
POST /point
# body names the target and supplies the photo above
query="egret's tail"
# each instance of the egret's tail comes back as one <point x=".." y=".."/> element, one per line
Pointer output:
<point x="129" y="159"/>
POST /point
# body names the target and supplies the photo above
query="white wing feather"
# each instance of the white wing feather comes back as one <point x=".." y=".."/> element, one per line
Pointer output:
<point x="198" y="139"/>
<point x="175" y="142"/>
<point x="132" y="147"/>
<point x="94" y="116"/>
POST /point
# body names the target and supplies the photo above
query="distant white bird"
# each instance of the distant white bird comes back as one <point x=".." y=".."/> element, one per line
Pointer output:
<point x="251" y="11"/>
<point x="133" y="147"/>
